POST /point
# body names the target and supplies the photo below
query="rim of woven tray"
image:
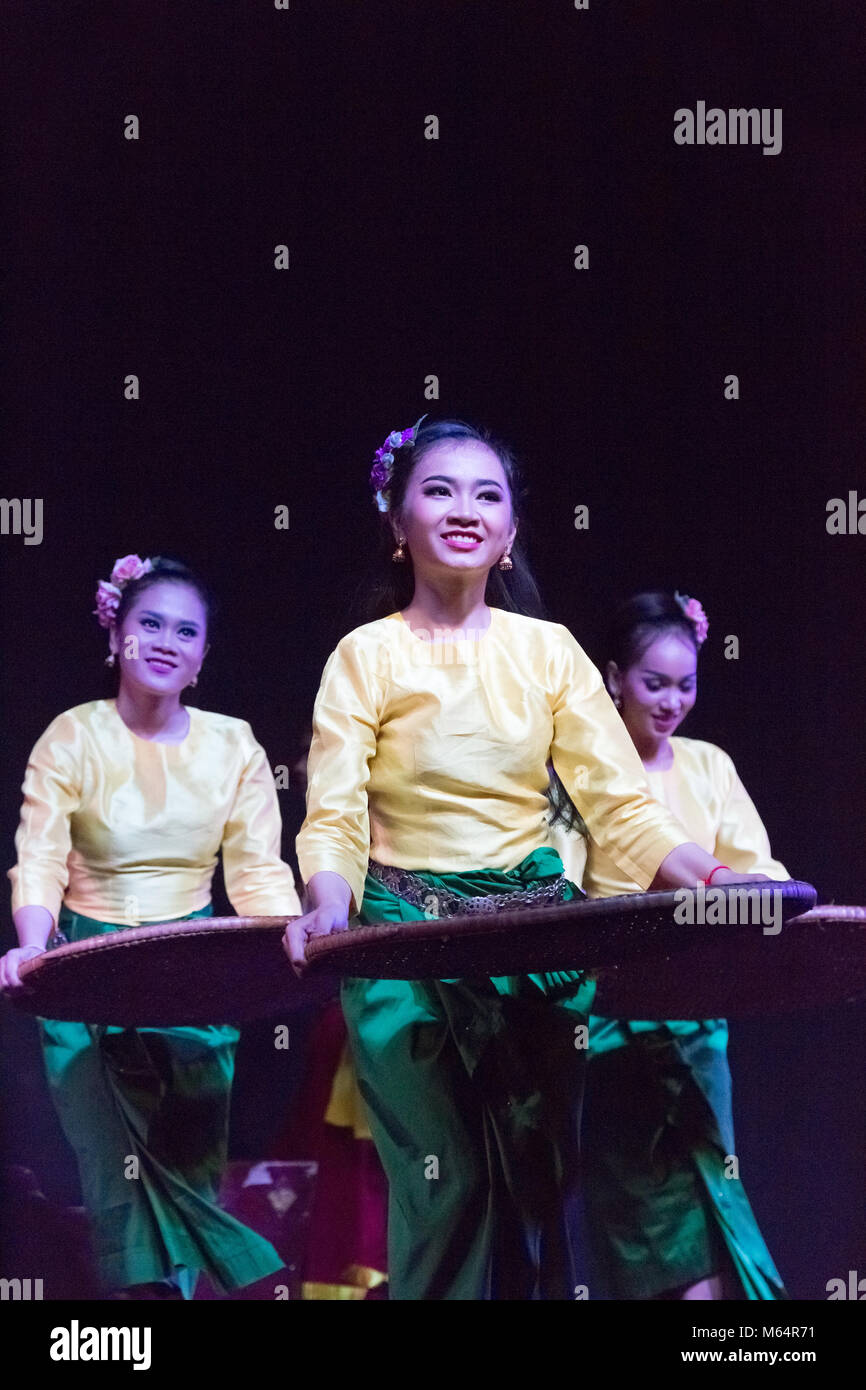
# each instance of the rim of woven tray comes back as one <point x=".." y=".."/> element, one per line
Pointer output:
<point x="831" y="912"/>
<point x="154" y="931"/>
<point x="495" y="923"/>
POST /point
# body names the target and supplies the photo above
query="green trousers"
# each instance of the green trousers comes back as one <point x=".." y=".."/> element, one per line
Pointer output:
<point x="146" y="1111"/>
<point x="473" y="1089"/>
<point x="665" y="1205"/>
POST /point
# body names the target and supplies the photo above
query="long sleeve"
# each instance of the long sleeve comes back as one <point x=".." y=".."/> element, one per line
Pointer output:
<point x="742" y="842"/>
<point x="335" y="835"/>
<point x="258" y="882"/>
<point x="52" y="792"/>
<point x="602" y="773"/>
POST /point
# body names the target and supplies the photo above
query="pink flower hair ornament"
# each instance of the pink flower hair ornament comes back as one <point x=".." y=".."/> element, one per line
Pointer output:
<point x="110" y="592"/>
<point x="697" y="617"/>
<point x="380" y="473"/>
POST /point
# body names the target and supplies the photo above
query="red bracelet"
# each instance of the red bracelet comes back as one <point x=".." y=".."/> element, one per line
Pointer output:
<point x="708" y="881"/>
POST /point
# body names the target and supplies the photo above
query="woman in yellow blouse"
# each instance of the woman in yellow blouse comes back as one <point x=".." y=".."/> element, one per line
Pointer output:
<point x="667" y="1214"/>
<point x="427" y="777"/>
<point x="127" y="804"/>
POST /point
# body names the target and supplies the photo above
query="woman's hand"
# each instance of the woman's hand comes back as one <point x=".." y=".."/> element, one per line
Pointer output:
<point x="329" y="899"/>
<point x="331" y="917"/>
<point x="688" y="866"/>
<point x="731" y="876"/>
<point x="9" y="977"/>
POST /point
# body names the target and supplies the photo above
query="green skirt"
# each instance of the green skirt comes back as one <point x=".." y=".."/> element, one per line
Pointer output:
<point x="146" y="1111"/>
<point x="665" y="1205"/>
<point x="473" y="1090"/>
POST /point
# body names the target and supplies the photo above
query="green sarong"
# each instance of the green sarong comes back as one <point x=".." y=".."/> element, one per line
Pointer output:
<point x="665" y="1207"/>
<point x="146" y="1111"/>
<point x="473" y="1091"/>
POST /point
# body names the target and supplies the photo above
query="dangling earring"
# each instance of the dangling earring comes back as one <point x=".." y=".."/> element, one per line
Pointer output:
<point x="505" y="562"/>
<point x="109" y="660"/>
<point x="399" y="553"/>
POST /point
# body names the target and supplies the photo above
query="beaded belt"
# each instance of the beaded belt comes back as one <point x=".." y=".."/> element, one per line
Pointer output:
<point x="441" y="902"/>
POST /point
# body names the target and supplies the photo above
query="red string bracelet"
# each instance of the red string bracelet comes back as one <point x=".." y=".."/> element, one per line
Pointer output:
<point x="708" y="881"/>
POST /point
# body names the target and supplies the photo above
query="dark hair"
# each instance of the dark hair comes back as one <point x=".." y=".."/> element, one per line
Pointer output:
<point x="165" y="568"/>
<point x="393" y="586"/>
<point x="640" y="620"/>
<point x="636" y="624"/>
<point x="562" y="806"/>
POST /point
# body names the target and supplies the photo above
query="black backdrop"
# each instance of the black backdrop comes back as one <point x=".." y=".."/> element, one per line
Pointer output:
<point x="454" y="257"/>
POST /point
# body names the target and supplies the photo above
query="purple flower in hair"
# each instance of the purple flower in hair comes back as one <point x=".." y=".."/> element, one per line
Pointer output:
<point x="109" y="594"/>
<point x="380" y="473"/>
<point x="108" y="598"/>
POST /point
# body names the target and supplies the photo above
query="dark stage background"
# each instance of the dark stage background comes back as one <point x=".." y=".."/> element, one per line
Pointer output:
<point x="454" y="257"/>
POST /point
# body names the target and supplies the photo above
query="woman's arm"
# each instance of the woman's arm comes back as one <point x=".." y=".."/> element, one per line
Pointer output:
<point x="688" y="865"/>
<point x="333" y="846"/>
<point x="335" y="836"/>
<point x="329" y="890"/>
<point x="602" y="773"/>
<point x="258" y="881"/>
<point x="742" y="840"/>
<point x="52" y="791"/>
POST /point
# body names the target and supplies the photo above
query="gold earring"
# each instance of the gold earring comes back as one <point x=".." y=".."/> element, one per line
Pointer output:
<point x="399" y="553"/>
<point x="109" y="660"/>
<point x="505" y="562"/>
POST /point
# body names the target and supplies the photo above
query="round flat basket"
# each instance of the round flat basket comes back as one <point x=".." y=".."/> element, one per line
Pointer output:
<point x="206" y="970"/>
<point x="583" y="935"/>
<point x="818" y="958"/>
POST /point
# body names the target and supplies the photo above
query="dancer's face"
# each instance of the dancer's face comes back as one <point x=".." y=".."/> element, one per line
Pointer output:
<point x="658" y="691"/>
<point x="169" y="624"/>
<point x="456" y="514"/>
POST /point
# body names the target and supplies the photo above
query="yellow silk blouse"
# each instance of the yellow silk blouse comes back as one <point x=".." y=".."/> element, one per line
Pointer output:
<point x="701" y="788"/>
<point x="432" y="754"/>
<point x="127" y="830"/>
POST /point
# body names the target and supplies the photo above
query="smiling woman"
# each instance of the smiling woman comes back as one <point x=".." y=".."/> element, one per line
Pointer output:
<point x="127" y="805"/>
<point x="427" y="777"/>
<point x="158" y="625"/>
<point x="663" y="1218"/>
<point x="467" y="469"/>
